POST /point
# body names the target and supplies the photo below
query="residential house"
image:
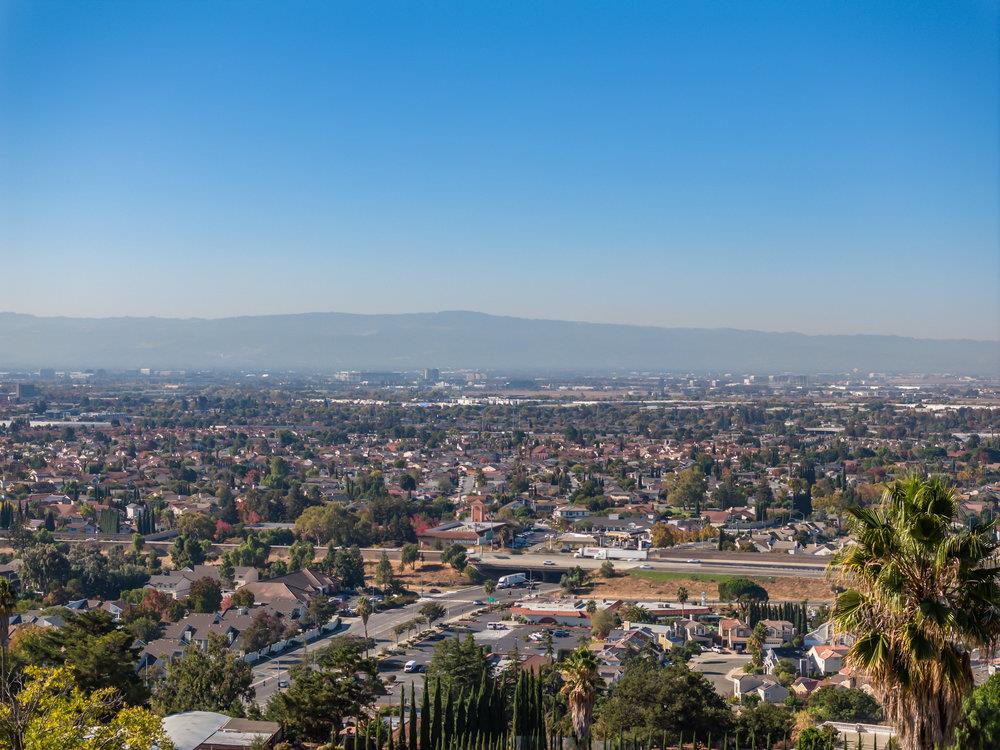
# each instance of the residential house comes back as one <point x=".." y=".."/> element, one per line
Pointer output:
<point x="734" y="633"/>
<point x="206" y="730"/>
<point x="827" y="659"/>
<point x="766" y="687"/>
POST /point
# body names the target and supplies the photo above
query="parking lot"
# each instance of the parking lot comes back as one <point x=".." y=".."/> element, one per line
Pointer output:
<point x="500" y="638"/>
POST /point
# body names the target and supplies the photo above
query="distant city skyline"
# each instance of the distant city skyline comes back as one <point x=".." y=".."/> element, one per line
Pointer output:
<point x="805" y="167"/>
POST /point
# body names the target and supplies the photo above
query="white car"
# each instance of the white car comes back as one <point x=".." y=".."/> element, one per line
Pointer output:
<point x="645" y="566"/>
<point x="547" y="562"/>
<point x="694" y="562"/>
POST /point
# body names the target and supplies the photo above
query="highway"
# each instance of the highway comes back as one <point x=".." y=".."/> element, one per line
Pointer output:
<point x="746" y="564"/>
<point x="712" y="561"/>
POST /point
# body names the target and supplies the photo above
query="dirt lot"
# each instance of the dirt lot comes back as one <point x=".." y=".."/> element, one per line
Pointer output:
<point x="426" y="575"/>
<point x="665" y="587"/>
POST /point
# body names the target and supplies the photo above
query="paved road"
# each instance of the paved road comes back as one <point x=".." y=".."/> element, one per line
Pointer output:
<point x="267" y="675"/>
<point x="716" y="666"/>
<point x="560" y="562"/>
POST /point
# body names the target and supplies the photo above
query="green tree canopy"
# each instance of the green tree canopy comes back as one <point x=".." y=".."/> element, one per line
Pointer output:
<point x="844" y="704"/>
<point x="758" y="722"/>
<point x="205" y="595"/>
<point x="210" y="679"/>
<point x="979" y="727"/>
<point x="92" y="647"/>
<point x="741" y="589"/>
<point x="51" y="711"/>
<point x="650" y="700"/>
<point x="337" y="683"/>
<point x="458" y="663"/>
<point x="349" y="568"/>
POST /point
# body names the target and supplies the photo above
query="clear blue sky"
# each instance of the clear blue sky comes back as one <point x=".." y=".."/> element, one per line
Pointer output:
<point x="822" y="167"/>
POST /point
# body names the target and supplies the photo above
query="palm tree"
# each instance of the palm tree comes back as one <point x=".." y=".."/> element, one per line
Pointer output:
<point x="682" y="597"/>
<point x="580" y="682"/>
<point x="919" y="594"/>
<point x="365" y="610"/>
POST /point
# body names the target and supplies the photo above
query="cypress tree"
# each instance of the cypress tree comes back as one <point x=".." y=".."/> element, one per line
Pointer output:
<point x="483" y="704"/>
<point x="436" y="717"/>
<point x="402" y="720"/>
<point x="517" y="719"/>
<point x="413" y="720"/>
<point x="448" y="720"/>
<point x="425" y="719"/>
<point x="458" y="730"/>
<point x="539" y="713"/>
<point x="498" y="704"/>
<point x="471" y="715"/>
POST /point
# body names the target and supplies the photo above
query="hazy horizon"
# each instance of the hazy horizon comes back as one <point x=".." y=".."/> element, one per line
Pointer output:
<point x="812" y="167"/>
<point x="305" y="313"/>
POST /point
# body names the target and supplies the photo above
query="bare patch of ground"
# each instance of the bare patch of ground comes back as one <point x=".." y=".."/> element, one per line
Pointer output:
<point x="665" y="587"/>
<point x="426" y="575"/>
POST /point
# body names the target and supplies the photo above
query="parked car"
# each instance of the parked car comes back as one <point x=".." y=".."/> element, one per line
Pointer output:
<point x="282" y="684"/>
<point x="411" y="666"/>
<point x="560" y="633"/>
<point x="495" y="626"/>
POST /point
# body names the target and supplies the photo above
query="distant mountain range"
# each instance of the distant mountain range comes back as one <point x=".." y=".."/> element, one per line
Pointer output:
<point x="338" y="341"/>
